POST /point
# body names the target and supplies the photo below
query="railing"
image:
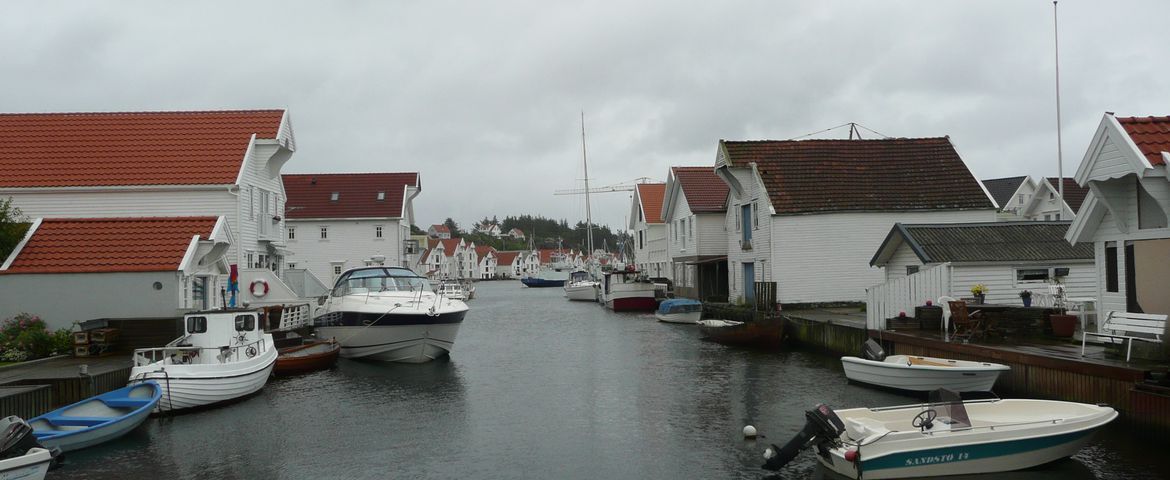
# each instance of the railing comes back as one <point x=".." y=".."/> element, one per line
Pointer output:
<point x="765" y="296"/>
<point x="191" y="355"/>
<point x="887" y="300"/>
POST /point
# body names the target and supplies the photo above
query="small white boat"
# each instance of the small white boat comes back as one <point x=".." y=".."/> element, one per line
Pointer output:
<point x="949" y="437"/>
<point x="679" y="310"/>
<point x="920" y="374"/>
<point x="97" y="419"/>
<point x="224" y="356"/>
<point x="628" y="290"/>
<point x="581" y="286"/>
<point x="452" y="290"/>
<point x="33" y="465"/>
<point x="23" y="457"/>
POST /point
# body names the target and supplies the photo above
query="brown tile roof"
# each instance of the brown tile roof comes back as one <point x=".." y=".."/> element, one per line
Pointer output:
<point x="1074" y="195"/>
<point x="441" y="228"/>
<point x="449" y="246"/>
<point x="128" y="148"/>
<point x="651" y="196"/>
<point x="310" y="194"/>
<point x="482" y="250"/>
<point x="506" y="257"/>
<point x="89" y="245"/>
<point x="1150" y="134"/>
<point x="705" y="191"/>
<point x="817" y="176"/>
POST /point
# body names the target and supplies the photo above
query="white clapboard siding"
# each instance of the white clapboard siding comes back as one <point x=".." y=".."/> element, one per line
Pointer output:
<point x="711" y="236"/>
<point x="1111" y="162"/>
<point x="903" y="257"/>
<point x="890" y="299"/>
<point x="761" y="252"/>
<point x="825" y="258"/>
<point x="1002" y="287"/>
<point x="351" y="242"/>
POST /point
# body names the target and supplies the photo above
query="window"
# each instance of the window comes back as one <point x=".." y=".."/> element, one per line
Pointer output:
<point x="196" y="324"/>
<point x="755" y="215"/>
<point x="199" y="292"/>
<point x="249" y="257"/>
<point x="245" y="323"/>
<point x="1051" y="196"/>
<point x="683" y="227"/>
<point x="1111" y="268"/>
<point x="1021" y="199"/>
<point x="337" y="269"/>
<point x="292" y="233"/>
<point x="737" y="219"/>
<point x="641" y="244"/>
<point x="324" y="233"/>
<point x="381" y="196"/>
<point x="911" y="269"/>
<point x="1032" y="275"/>
<point x="292" y="266"/>
<point x="1047" y="217"/>
<point x="692" y="227"/>
<point x="377" y="231"/>
<point x="746" y="209"/>
<point x="334" y="196"/>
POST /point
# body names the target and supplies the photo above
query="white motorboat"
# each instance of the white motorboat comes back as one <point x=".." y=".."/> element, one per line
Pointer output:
<point x="948" y="437"/>
<point x="581" y="286"/>
<point x="453" y="290"/>
<point x="920" y="374"/>
<point x="628" y="290"/>
<point x="33" y="465"/>
<point x="389" y="314"/>
<point x="21" y="456"/>
<point x="679" y="310"/>
<point x="225" y="355"/>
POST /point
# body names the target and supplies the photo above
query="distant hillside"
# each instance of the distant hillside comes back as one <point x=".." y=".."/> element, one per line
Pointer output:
<point x="544" y="233"/>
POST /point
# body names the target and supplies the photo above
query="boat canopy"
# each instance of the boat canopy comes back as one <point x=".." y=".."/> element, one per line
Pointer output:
<point x="579" y="276"/>
<point x="680" y="305"/>
<point x="379" y="279"/>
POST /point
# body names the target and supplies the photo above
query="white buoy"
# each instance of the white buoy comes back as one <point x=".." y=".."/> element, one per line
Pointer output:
<point x="749" y="432"/>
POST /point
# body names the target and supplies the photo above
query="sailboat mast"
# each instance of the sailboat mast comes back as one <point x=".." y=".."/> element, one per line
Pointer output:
<point x="588" y="213"/>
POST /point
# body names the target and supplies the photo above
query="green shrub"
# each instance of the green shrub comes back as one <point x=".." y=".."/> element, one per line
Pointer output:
<point x="26" y="337"/>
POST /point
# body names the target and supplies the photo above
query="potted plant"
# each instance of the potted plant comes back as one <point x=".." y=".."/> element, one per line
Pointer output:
<point x="1063" y="325"/>
<point x="1026" y="296"/>
<point x="980" y="292"/>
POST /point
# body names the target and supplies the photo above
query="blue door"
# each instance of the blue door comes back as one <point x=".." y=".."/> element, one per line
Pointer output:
<point x="749" y="283"/>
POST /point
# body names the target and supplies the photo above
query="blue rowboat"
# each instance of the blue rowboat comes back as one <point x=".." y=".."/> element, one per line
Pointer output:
<point x="97" y="419"/>
<point x="679" y="310"/>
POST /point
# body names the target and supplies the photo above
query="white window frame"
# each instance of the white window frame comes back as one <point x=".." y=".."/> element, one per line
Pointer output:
<point x="1021" y="283"/>
<point x="737" y="215"/>
<point x="378" y="232"/>
<point x="292" y="234"/>
<point x="324" y="232"/>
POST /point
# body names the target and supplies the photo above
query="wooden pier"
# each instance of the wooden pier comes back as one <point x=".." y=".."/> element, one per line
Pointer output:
<point x="61" y="379"/>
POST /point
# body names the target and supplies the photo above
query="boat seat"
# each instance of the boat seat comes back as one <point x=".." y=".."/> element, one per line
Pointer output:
<point x="862" y="428"/>
<point x="71" y="421"/>
<point x="125" y="402"/>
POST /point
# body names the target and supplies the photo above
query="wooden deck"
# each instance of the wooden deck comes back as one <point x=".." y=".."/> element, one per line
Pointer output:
<point x="62" y="376"/>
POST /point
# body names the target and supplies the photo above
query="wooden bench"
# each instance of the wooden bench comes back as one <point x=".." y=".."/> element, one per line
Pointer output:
<point x="1125" y="325"/>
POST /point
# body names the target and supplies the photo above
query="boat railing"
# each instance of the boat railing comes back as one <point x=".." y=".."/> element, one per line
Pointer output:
<point x="998" y="425"/>
<point x="929" y="405"/>
<point x="180" y="354"/>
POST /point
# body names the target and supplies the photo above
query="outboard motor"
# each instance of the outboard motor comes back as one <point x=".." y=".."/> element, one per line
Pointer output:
<point x="822" y="427"/>
<point x="872" y="350"/>
<point x="16" y="439"/>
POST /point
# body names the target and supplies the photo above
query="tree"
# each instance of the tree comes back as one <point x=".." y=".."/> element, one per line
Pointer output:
<point x="454" y="227"/>
<point x="13" y="225"/>
<point x="414" y="230"/>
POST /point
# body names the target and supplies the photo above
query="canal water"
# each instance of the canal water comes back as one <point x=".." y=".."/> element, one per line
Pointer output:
<point x="537" y="387"/>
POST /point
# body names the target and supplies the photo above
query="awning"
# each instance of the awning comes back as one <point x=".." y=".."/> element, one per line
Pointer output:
<point x="710" y="259"/>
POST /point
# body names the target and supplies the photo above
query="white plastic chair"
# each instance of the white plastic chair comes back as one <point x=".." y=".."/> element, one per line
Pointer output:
<point x="946" y="314"/>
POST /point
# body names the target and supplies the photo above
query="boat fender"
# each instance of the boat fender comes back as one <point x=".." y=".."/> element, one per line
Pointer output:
<point x="259" y="287"/>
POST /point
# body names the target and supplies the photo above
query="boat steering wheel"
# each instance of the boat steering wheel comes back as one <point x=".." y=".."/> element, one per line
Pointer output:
<point x="925" y="419"/>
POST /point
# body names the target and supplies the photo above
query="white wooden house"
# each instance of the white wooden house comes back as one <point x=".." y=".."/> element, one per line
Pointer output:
<point x="531" y="263"/>
<point x="694" y="211"/>
<point x="516" y="233"/>
<point x="486" y="262"/>
<point x="439" y="231"/>
<point x="508" y="264"/>
<point x="648" y="230"/>
<point x="491" y="229"/>
<point x="806" y="214"/>
<point x="144" y="164"/>
<point x="1011" y="194"/>
<point x="1005" y="257"/>
<point x="1047" y="204"/>
<point x="74" y="269"/>
<point x="338" y="221"/>
<point x="1125" y="215"/>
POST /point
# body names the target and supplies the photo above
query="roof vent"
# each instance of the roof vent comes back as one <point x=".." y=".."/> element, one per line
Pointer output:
<point x="334" y="196"/>
<point x="313" y="181"/>
<point x="381" y="196"/>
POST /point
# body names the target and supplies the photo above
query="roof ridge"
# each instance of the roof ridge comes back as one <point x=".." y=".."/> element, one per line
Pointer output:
<point x="815" y="140"/>
<point x="347" y="173"/>
<point x="144" y="112"/>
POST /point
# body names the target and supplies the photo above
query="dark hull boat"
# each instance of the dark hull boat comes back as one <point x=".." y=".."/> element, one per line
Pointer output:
<point x="312" y="356"/>
<point x="760" y="333"/>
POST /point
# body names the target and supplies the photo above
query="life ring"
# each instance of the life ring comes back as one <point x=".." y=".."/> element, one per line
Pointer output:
<point x="263" y="287"/>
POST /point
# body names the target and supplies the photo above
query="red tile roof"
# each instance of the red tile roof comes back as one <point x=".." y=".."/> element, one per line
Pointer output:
<point x="441" y="228"/>
<point x="449" y="246"/>
<point x="1074" y="195"/>
<point x="705" y="191"/>
<point x="1150" y="134"/>
<point x="506" y="257"/>
<point x="310" y="195"/>
<point x="89" y="245"/>
<point x="651" y="196"/>
<point x="129" y="148"/>
<point x="818" y="176"/>
<point x="482" y="250"/>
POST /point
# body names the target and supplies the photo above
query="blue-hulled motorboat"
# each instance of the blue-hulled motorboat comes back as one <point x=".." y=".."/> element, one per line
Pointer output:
<point x="97" y="419"/>
<point x="679" y="310"/>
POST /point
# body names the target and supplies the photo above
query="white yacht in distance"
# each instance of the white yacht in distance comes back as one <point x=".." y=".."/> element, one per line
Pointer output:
<point x="581" y="286"/>
<point x="224" y="355"/>
<point x="389" y="314"/>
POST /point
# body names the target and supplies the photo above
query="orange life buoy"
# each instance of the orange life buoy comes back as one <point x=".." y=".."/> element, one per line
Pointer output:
<point x="263" y="287"/>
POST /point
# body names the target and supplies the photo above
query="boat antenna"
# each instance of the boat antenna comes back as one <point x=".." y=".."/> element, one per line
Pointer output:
<point x="588" y="213"/>
<point x="1059" y="153"/>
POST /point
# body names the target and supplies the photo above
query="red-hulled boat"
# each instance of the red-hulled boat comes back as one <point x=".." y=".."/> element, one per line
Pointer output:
<point x="308" y="357"/>
<point x="628" y="291"/>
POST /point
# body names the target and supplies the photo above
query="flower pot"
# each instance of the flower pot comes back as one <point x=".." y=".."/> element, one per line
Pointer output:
<point x="980" y="298"/>
<point x="1027" y="301"/>
<point x="1063" y="325"/>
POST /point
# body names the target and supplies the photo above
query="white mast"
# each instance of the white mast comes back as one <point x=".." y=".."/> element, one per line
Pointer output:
<point x="1059" y="155"/>
<point x="585" y="162"/>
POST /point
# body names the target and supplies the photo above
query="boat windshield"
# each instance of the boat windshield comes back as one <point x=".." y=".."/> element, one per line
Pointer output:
<point x="579" y="276"/>
<point x="949" y="408"/>
<point x="373" y="280"/>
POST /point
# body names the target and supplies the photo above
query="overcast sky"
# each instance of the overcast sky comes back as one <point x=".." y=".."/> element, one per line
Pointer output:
<point x="484" y="98"/>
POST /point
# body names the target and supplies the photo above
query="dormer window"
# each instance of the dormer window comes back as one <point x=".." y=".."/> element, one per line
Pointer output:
<point x="381" y="196"/>
<point x="335" y="196"/>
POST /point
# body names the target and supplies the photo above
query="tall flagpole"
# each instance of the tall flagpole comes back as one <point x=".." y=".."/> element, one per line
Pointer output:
<point x="1059" y="144"/>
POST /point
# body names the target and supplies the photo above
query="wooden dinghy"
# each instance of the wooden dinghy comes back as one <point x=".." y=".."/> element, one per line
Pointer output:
<point x="765" y="333"/>
<point x="311" y="356"/>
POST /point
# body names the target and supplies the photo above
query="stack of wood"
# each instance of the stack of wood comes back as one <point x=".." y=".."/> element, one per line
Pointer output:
<point x="94" y="342"/>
